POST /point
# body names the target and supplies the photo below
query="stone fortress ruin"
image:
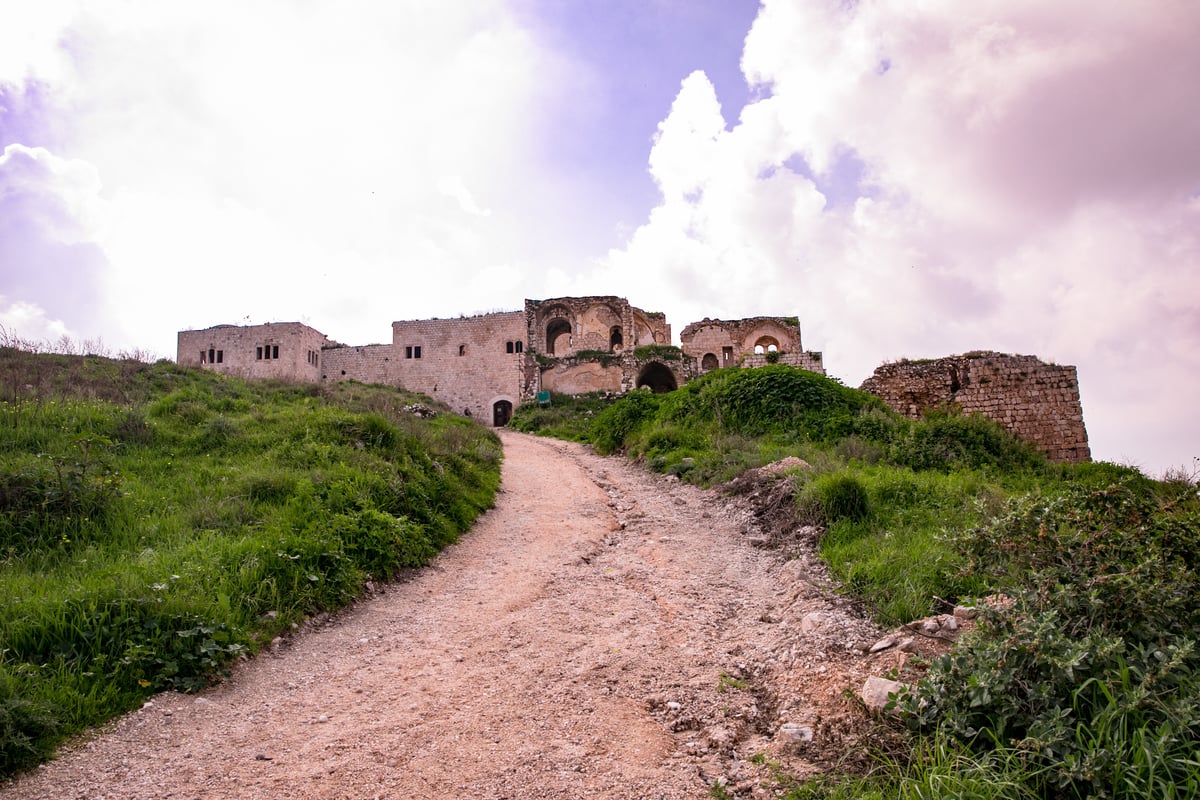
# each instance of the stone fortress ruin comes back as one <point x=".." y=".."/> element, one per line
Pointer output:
<point x="486" y="365"/>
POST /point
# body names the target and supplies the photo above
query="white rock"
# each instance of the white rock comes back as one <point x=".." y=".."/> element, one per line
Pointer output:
<point x="795" y="733"/>
<point x="811" y="622"/>
<point x="966" y="612"/>
<point x="883" y="644"/>
<point x="875" y="692"/>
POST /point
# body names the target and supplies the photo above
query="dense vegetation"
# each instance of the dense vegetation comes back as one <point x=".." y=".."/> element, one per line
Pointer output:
<point x="1085" y="685"/>
<point x="157" y="522"/>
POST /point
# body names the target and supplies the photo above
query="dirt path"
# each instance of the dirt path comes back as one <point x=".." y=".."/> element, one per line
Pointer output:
<point x="602" y="632"/>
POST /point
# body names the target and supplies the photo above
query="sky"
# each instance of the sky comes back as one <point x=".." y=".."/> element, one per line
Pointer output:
<point x="910" y="179"/>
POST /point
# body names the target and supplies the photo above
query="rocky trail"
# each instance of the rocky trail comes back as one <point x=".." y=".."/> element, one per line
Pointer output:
<point x="602" y="632"/>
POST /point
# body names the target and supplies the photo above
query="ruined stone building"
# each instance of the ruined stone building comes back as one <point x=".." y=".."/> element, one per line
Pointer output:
<point x="486" y="365"/>
<point x="1033" y="400"/>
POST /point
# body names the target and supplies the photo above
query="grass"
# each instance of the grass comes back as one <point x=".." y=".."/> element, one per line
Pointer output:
<point x="158" y="522"/>
<point x="1088" y="687"/>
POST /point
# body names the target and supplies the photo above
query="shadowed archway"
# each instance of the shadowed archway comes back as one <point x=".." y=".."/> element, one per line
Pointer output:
<point x="658" y="377"/>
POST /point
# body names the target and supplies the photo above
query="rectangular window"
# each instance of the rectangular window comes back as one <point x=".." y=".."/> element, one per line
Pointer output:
<point x="274" y="351"/>
<point x="203" y="357"/>
<point x="520" y="346"/>
<point x="258" y="353"/>
<point x="508" y="347"/>
<point x="408" y="351"/>
<point x="212" y="356"/>
<point x="220" y="356"/>
<point x="462" y="349"/>
<point x="417" y="351"/>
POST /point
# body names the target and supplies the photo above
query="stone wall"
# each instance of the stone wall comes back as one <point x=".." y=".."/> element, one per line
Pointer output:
<point x="1036" y="401"/>
<point x="470" y="363"/>
<point x="282" y="350"/>
<point x="716" y="344"/>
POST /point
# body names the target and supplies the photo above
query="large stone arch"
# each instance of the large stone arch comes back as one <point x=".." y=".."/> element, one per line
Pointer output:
<point x="658" y="377"/>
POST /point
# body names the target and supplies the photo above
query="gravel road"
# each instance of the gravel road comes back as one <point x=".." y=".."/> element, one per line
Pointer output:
<point x="601" y="633"/>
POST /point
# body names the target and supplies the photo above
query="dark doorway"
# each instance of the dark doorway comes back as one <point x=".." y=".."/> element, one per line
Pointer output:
<point x="501" y="413"/>
<point x="658" y="377"/>
<point x="709" y="362"/>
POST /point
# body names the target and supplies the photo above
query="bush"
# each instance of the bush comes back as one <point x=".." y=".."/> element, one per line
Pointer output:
<point x="618" y="421"/>
<point x="1091" y="677"/>
<point x="842" y="497"/>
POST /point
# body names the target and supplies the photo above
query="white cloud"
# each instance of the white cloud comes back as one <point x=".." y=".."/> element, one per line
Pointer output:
<point x="1009" y="201"/>
<point x="28" y="323"/>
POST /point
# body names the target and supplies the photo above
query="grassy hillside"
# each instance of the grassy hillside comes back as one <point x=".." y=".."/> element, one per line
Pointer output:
<point x="1087" y="686"/>
<point x="157" y="522"/>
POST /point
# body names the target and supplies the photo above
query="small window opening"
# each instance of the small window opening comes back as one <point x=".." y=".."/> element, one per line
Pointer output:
<point x="212" y="356"/>
<point x="509" y="347"/>
<point x="520" y="346"/>
<point x="203" y="357"/>
<point x="417" y="351"/>
<point x="462" y="349"/>
<point x="220" y="356"/>
<point x="274" y="351"/>
<point x="408" y="351"/>
<point x="758" y="350"/>
<point x="258" y="353"/>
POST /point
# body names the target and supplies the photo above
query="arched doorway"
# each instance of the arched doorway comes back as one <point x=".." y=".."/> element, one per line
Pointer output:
<point x="556" y="330"/>
<point x="658" y="378"/>
<point x="709" y="362"/>
<point x="501" y="413"/>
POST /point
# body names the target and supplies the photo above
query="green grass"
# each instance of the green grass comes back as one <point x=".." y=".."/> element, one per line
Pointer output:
<point x="1089" y="687"/>
<point x="157" y="522"/>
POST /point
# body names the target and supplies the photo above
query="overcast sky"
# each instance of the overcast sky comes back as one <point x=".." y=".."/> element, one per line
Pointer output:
<point x="910" y="179"/>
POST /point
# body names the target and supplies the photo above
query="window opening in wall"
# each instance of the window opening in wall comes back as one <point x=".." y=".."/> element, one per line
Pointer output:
<point x="615" y="340"/>
<point x="258" y="353"/>
<point x="727" y="355"/>
<point x="462" y="349"/>
<point x="520" y="346"/>
<point x="274" y="351"/>
<point x="758" y="350"/>
<point x="203" y="357"/>
<point x="408" y="351"/>
<point x="220" y="356"/>
<point x="558" y="329"/>
<point x="212" y="356"/>
<point x="772" y="348"/>
<point x="509" y="347"/>
<point x="417" y="351"/>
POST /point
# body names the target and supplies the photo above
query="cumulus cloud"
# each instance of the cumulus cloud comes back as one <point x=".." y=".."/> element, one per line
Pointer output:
<point x="50" y="217"/>
<point x="279" y="160"/>
<point x="1026" y="179"/>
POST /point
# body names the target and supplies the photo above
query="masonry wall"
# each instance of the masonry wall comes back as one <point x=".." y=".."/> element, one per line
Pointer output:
<point x="809" y="360"/>
<point x="282" y="350"/>
<point x="1035" y="401"/>
<point x="371" y="363"/>
<point x="466" y="362"/>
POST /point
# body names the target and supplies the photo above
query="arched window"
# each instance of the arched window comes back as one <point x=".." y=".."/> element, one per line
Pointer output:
<point x="615" y="340"/>
<point x="558" y="336"/>
<point x="709" y="362"/>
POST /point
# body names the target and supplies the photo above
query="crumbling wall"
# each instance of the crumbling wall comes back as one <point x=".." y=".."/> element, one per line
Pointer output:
<point x="1035" y="401"/>
<point x="718" y="344"/>
<point x="281" y="350"/>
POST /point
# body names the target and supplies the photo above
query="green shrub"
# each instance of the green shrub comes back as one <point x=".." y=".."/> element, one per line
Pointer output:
<point x="618" y="421"/>
<point x="1091" y="676"/>
<point x="945" y="440"/>
<point x="842" y="497"/>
